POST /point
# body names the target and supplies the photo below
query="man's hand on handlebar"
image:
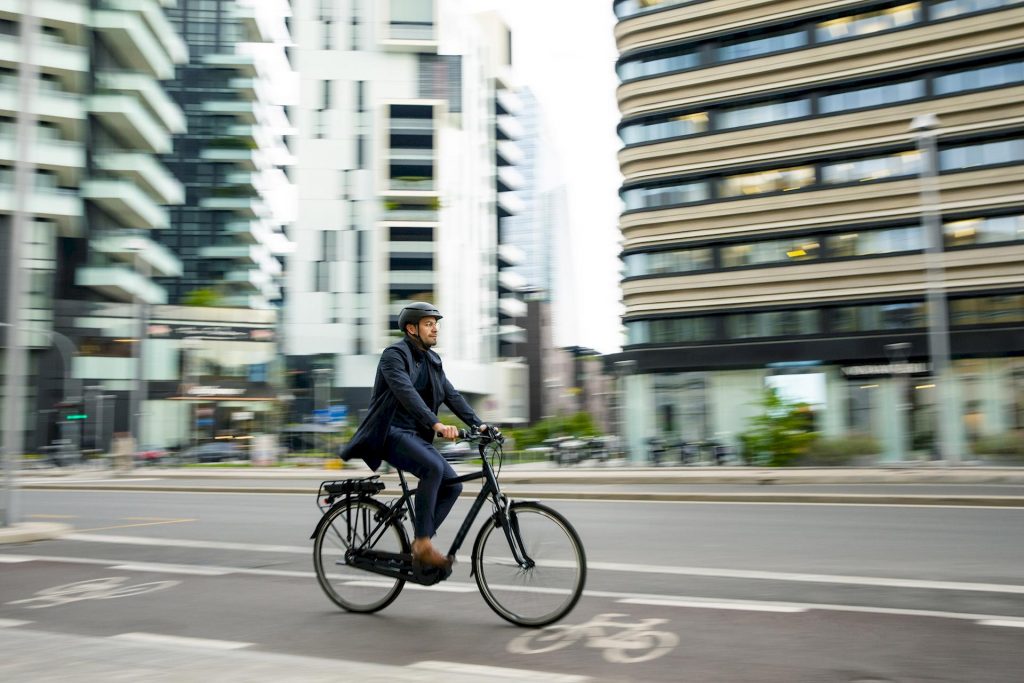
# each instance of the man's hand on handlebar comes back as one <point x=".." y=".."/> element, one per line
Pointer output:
<point x="446" y="431"/>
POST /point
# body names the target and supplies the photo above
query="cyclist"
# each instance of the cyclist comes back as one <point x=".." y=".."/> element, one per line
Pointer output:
<point x="402" y="420"/>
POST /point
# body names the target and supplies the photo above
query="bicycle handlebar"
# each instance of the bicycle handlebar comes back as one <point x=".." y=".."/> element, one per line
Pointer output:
<point x="487" y="435"/>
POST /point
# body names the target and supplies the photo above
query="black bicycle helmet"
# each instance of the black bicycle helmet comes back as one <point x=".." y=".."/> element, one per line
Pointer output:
<point x="416" y="311"/>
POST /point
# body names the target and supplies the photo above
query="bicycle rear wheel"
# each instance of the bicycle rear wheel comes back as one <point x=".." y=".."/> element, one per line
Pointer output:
<point x="547" y="591"/>
<point x="349" y="525"/>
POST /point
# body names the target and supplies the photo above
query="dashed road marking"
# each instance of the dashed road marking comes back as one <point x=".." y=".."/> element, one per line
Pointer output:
<point x="193" y="569"/>
<point x="13" y="623"/>
<point x="1012" y="623"/>
<point x="486" y="673"/>
<point x="181" y="641"/>
<point x="715" y="604"/>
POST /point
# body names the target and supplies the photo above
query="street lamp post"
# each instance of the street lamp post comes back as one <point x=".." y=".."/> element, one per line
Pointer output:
<point x="138" y="394"/>
<point x="926" y="129"/>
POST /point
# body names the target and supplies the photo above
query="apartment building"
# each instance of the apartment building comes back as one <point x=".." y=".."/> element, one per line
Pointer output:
<point x="405" y="139"/>
<point x="98" y="118"/>
<point x="772" y="230"/>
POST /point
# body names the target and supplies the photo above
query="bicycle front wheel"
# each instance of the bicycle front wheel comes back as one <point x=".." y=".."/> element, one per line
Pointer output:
<point x="353" y="524"/>
<point x="549" y="589"/>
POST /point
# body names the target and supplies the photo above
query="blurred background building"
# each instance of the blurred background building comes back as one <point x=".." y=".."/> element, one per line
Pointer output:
<point x="406" y="150"/>
<point x="771" y="224"/>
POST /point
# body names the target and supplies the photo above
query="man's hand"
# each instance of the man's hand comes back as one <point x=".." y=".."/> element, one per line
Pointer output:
<point x="446" y="431"/>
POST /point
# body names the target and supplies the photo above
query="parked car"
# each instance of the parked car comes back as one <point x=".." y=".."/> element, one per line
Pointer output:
<point x="214" y="451"/>
<point x="150" y="455"/>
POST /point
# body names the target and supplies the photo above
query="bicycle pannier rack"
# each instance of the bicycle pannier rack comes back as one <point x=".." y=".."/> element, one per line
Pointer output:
<point x="330" y="491"/>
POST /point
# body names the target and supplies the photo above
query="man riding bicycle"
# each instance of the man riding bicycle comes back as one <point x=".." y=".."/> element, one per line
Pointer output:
<point x="402" y="420"/>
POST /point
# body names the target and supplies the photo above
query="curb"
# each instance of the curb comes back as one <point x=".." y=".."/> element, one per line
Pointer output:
<point x="633" y="496"/>
<point x="32" y="531"/>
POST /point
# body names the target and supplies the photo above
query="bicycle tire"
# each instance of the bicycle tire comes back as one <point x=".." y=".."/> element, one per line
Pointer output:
<point x="522" y="596"/>
<point x="352" y="589"/>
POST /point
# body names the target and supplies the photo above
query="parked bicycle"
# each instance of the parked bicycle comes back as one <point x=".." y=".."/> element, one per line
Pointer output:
<point x="527" y="560"/>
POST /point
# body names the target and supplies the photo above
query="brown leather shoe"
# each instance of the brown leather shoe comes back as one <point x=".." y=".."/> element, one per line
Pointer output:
<point x="425" y="554"/>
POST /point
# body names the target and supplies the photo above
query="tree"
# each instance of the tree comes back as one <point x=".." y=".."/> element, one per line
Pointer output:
<point x="781" y="433"/>
<point x="202" y="297"/>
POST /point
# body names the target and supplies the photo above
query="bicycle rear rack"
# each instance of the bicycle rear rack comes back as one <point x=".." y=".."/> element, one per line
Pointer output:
<point x="331" y="490"/>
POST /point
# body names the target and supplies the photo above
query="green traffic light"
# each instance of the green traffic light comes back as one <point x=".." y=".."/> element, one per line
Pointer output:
<point x="77" y="417"/>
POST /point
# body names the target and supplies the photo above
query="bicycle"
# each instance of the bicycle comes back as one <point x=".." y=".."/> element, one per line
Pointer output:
<point x="531" y="573"/>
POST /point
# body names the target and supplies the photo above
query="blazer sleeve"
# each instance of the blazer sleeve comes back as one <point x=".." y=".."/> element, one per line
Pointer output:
<point x="396" y="374"/>
<point x="454" y="400"/>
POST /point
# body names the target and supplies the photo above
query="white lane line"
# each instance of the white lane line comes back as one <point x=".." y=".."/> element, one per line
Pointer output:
<point x="196" y="570"/>
<point x="181" y="641"/>
<point x="635" y="598"/>
<point x="712" y="572"/>
<point x="184" y="543"/>
<point x="808" y="578"/>
<point x="716" y="604"/>
<point x="13" y="623"/>
<point x="15" y="559"/>
<point x="1012" y="623"/>
<point x="490" y="672"/>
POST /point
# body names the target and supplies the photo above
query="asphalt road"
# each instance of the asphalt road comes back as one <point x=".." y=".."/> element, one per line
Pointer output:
<point x="675" y="592"/>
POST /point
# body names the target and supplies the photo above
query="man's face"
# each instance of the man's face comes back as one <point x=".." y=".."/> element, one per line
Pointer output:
<point x="427" y="330"/>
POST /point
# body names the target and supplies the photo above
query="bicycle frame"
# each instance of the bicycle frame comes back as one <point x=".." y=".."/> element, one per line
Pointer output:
<point x="489" y="490"/>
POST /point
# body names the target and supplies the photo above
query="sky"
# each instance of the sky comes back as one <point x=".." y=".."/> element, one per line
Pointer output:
<point x="565" y="52"/>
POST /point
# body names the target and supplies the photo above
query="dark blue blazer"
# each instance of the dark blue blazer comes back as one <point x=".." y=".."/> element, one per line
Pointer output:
<point x="393" y="390"/>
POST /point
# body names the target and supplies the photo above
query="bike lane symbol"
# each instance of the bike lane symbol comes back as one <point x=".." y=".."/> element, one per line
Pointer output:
<point x="92" y="589"/>
<point x="620" y="642"/>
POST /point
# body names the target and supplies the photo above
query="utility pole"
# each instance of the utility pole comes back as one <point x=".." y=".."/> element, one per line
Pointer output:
<point x="14" y="361"/>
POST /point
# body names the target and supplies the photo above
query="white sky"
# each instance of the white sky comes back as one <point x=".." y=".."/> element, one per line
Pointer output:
<point x="564" y="51"/>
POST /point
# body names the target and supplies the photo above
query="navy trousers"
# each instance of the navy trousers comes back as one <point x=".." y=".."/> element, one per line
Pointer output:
<point x="408" y="452"/>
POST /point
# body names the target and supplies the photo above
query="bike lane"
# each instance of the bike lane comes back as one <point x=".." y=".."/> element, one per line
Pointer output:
<point x="608" y="637"/>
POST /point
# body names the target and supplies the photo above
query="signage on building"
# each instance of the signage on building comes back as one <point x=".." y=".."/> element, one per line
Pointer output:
<point x="885" y="369"/>
<point x="211" y="332"/>
<point x="226" y="389"/>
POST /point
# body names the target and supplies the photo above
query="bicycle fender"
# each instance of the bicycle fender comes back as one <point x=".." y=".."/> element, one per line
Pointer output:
<point x="323" y="517"/>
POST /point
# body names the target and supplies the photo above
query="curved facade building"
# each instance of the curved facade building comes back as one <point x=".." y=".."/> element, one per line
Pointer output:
<point x="771" y="224"/>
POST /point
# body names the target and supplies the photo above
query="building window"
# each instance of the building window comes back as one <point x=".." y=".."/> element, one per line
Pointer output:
<point x="875" y="96"/>
<point x="658" y="64"/>
<point x="775" y="180"/>
<point x="685" y="124"/>
<point x="869" y="22"/>
<point x="773" y="324"/>
<point x="984" y="230"/>
<point x="745" y="48"/>
<point x="869" y="242"/>
<point x="985" y="154"/>
<point x="652" y="197"/>
<point x="875" y="168"/>
<point x="770" y="251"/>
<point x="760" y="114"/>
<point x="953" y="8"/>
<point x="980" y="77"/>
<point x="662" y="262"/>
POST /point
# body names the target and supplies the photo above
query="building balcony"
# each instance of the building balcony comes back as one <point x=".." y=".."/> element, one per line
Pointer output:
<point x="425" y="215"/>
<point x="65" y="158"/>
<point x="510" y="282"/>
<point x="69" y="62"/>
<point x="132" y="248"/>
<point x="409" y="36"/>
<point x="247" y="112"/>
<point x="65" y="109"/>
<point x="508" y="102"/>
<point x="126" y="203"/>
<point x="512" y="307"/>
<point x="255" y="302"/>
<point x="131" y="123"/>
<point x="235" y="252"/>
<point x="247" y="278"/>
<point x="509" y="128"/>
<point x="64" y="207"/>
<point x="510" y="255"/>
<point x="132" y="40"/>
<point x="509" y="204"/>
<point x="403" y="126"/>
<point x="157" y="21"/>
<point x="250" y="207"/>
<point x="509" y="153"/>
<point x="510" y="179"/>
<point x="399" y="278"/>
<point x="249" y="159"/>
<point x="244" y="64"/>
<point x="426" y="186"/>
<point x="120" y="283"/>
<point x="55" y="12"/>
<point x="149" y="91"/>
<point x="144" y="170"/>
<point x="512" y="333"/>
<point x="248" y="232"/>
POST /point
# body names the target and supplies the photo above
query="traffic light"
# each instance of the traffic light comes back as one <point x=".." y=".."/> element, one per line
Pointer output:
<point x="76" y="416"/>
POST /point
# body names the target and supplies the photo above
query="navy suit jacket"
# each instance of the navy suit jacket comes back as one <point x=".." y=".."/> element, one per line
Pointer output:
<point x="393" y="390"/>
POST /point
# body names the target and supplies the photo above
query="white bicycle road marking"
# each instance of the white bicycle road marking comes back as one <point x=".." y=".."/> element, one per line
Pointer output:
<point x="620" y="642"/>
<point x="90" y="589"/>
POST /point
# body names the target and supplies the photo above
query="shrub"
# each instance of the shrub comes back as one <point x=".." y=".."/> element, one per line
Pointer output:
<point x="780" y="435"/>
<point x="1009" y="446"/>
<point x="841" y="451"/>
